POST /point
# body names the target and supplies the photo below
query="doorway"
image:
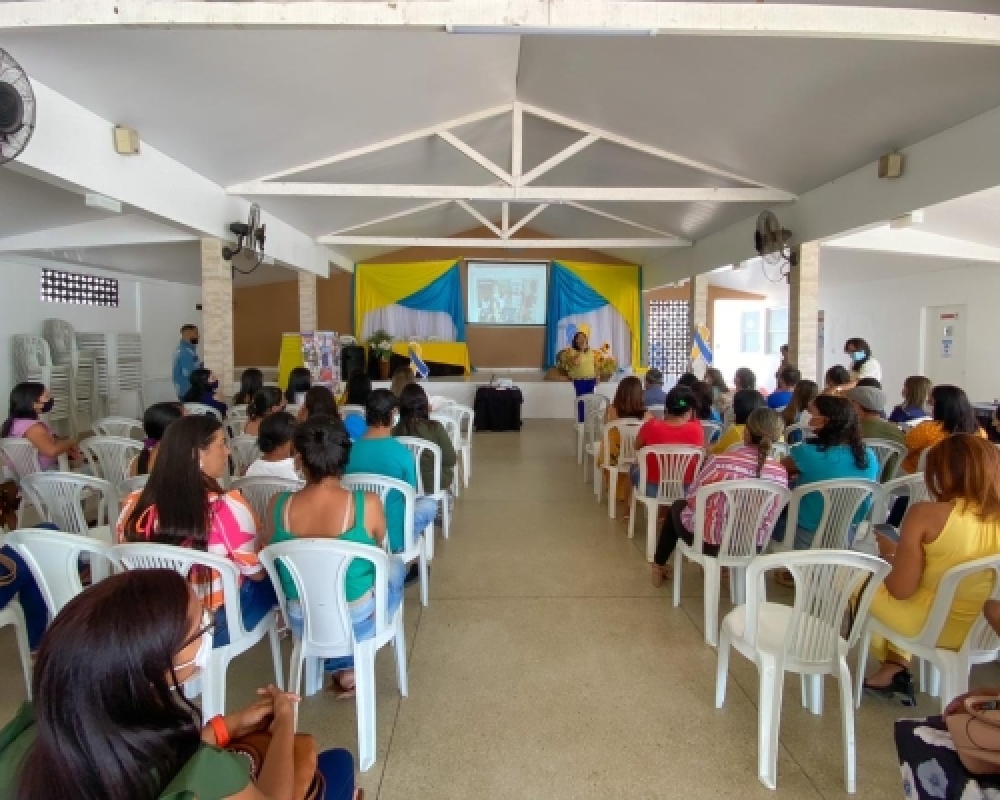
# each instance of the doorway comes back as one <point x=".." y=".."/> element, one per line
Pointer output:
<point x="944" y="344"/>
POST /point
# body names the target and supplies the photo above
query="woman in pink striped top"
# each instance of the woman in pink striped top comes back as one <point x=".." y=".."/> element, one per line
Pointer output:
<point x="751" y="460"/>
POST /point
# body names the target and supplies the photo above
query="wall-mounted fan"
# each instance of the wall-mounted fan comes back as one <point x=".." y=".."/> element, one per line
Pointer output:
<point x="773" y="244"/>
<point x="250" y="236"/>
<point x="17" y="108"/>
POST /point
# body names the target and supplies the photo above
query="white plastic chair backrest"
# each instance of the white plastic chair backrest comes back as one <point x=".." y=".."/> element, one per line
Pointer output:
<point x="911" y="486"/>
<point x="258" y="490"/>
<point x="318" y="567"/>
<point x="239" y="412"/>
<point x="134" y="484"/>
<point x="712" y="431"/>
<point x="201" y="409"/>
<point x="244" y="452"/>
<point x="450" y="426"/>
<point x="627" y="430"/>
<point x="381" y="485"/>
<point x="912" y="423"/>
<point x="118" y="426"/>
<point x="842" y="499"/>
<point x="463" y="416"/>
<point x="944" y="598"/>
<point x="59" y="497"/>
<point x="437" y="402"/>
<point x="825" y="583"/>
<point x="744" y="505"/>
<point x="593" y="421"/>
<point x="657" y="411"/>
<point x="111" y="456"/>
<point x="797" y="432"/>
<point x="235" y="426"/>
<point x="884" y="450"/>
<point x="675" y="465"/>
<point x="589" y="403"/>
<point x="418" y="447"/>
<point x="54" y="560"/>
<point x="293" y="409"/>
<point x="21" y="455"/>
<point x="779" y="450"/>
<point x="184" y="560"/>
<point x="352" y="409"/>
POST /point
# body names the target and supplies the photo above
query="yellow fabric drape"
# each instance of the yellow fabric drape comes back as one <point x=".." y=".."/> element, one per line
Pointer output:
<point x="380" y="285"/>
<point x="620" y="287"/>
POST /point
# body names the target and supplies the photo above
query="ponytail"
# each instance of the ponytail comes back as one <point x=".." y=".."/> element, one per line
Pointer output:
<point x="764" y="427"/>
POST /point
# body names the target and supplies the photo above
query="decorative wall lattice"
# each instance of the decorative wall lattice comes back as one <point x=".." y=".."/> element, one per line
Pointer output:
<point x="669" y="336"/>
<point x="82" y="290"/>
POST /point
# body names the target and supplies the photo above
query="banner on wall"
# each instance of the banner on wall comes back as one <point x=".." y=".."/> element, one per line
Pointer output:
<point x="321" y="355"/>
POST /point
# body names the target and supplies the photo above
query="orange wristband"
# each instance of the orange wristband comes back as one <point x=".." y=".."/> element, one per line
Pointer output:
<point x="218" y="725"/>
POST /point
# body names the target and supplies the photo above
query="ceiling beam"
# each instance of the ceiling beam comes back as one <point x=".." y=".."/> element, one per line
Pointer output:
<point x="505" y="219"/>
<point x="524" y="16"/>
<point x="501" y="244"/>
<point x="527" y="218"/>
<point x="560" y="157"/>
<point x="517" y="141"/>
<point x="390" y="217"/>
<point x="127" y="229"/>
<point x="537" y="194"/>
<point x="476" y="156"/>
<point x="598" y="212"/>
<point x="480" y="217"/>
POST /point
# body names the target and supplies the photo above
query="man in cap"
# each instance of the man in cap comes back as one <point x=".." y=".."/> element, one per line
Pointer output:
<point x="654" y="394"/>
<point x="869" y="402"/>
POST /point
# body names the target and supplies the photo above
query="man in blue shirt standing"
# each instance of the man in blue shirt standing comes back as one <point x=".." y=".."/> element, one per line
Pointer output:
<point x="186" y="360"/>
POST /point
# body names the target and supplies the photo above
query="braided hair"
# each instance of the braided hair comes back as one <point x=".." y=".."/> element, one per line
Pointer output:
<point x="764" y="428"/>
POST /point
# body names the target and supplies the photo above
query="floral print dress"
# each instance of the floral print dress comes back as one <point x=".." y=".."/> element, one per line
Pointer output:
<point x="931" y="768"/>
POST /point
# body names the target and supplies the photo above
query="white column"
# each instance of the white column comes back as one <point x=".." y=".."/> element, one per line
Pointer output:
<point x="803" y="311"/>
<point x="217" y="313"/>
<point x="308" y="308"/>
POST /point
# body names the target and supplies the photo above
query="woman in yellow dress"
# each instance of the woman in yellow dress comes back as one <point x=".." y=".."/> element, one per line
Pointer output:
<point x="583" y="369"/>
<point x="961" y="524"/>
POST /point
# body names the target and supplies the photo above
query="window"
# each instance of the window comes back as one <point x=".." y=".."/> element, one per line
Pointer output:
<point x="777" y="329"/>
<point x="79" y="289"/>
<point x="750" y="332"/>
<point x="669" y="336"/>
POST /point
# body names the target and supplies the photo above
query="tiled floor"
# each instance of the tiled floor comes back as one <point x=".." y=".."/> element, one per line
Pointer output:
<point x="546" y="666"/>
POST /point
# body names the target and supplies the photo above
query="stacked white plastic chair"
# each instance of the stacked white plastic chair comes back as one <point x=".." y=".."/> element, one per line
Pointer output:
<point x="118" y="364"/>
<point x="61" y="337"/>
<point x="318" y="568"/>
<point x="627" y="430"/>
<point x="587" y="403"/>
<point x="745" y="505"/>
<point x="804" y="638"/>
<point x="676" y="464"/>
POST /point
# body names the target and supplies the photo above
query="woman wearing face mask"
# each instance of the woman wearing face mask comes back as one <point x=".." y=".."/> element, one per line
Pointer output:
<point x="107" y="721"/>
<point x="28" y="401"/>
<point x="182" y="504"/>
<point x="205" y="390"/>
<point x="862" y="363"/>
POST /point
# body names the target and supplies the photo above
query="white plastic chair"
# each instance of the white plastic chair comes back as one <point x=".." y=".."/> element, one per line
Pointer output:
<point x="953" y="665"/>
<point x="591" y="404"/>
<point x="318" y="568"/>
<point x="712" y="431"/>
<point x="258" y="490"/>
<point x="415" y="547"/>
<point x="134" y="484"/>
<point x="200" y="409"/>
<point x="352" y="409"/>
<point x="463" y="416"/>
<point x="438" y="402"/>
<point x="675" y="463"/>
<point x="244" y="451"/>
<point x="14" y="616"/>
<point x="593" y="427"/>
<point x="119" y="426"/>
<point x="657" y="411"/>
<point x="804" y="638"/>
<point x="450" y="424"/>
<point x="884" y="450"/>
<point x="418" y="447"/>
<point x="745" y="505"/>
<point x="235" y="424"/>
<point x="60" y="497"/>
<point x="182" y="560"/>
<point x="842" y="499"/>
<point x="627" y="430"/>
<point x="797" y="432"/>
<point x="22" y="457"/>
<point x="54" y="560"/>
<point x="911" y="486"/>
<point x="111" y="457"/>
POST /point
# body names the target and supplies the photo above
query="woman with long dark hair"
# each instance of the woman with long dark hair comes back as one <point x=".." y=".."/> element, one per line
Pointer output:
<point x="318" y="402"/>
<point x="863" y="365"/>
<point x="155" y="421"/>
<point x="359" y="386"/>
<point x="299" y="381"/>
<point x="836" y="450"/>
<point x="951" y="412"/>
<point x="324" y="509"/>
<point x="266" y="400"/>
<point x="797" y="409"/>
<point x="205" y="390"/>
<point x="836" y="380"/>
<point x="251" y="381"/>
<point x="28" y="401"/>
<point x="414" y="420"/>
<point x="108" y="721"/>
<point x="705" y="402"/>
<point x="182" y="504"/>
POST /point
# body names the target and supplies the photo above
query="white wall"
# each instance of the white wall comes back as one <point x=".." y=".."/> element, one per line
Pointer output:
<point x="156" y="309"/>
<point x="726" y="353"/>
<point x="887" y="312"/>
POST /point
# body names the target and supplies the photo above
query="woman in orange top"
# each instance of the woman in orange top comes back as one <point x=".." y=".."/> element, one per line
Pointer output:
<point x="952" y="413"/>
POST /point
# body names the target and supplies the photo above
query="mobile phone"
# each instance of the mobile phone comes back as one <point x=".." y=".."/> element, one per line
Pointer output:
<point x="886" y="530"/>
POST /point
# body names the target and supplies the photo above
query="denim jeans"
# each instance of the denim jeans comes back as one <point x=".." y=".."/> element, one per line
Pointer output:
<point x="16" y="581"/>
<point x="652" y="489"/>
<point x="257" y="598"/>
<point x="362" y="614"/>
<point x="424" y="513"/>
<point x="583" y="386"/>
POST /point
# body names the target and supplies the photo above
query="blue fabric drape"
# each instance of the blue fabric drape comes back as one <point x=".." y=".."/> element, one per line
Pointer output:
<point x="567" y="295"/>
<point x="443" y="294"/>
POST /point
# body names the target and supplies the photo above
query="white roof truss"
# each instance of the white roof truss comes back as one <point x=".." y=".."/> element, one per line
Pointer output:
<point x="399" y="242"/>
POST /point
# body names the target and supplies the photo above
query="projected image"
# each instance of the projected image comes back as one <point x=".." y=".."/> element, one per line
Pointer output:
<point x="508" y="294"/>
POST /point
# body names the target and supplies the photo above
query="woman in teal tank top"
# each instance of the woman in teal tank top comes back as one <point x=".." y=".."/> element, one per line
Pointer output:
<point x="324" y="509"/>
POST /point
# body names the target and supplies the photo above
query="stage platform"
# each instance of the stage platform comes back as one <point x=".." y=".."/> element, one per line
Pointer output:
<point x="542" y="399"/>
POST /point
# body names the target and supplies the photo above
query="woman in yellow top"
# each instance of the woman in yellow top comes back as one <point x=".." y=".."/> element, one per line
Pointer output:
<point x="961" y="524"/>
<point x="583" y="369"/>
<point x="952" y="413"/>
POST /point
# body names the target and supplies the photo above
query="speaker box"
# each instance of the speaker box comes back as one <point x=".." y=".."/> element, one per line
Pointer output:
<point x="352" y="357"/>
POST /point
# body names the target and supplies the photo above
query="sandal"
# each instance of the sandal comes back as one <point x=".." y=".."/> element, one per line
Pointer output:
<point x="901" y="684"/>
<point x="784" y="578"/>
<point x="339" y="689"/>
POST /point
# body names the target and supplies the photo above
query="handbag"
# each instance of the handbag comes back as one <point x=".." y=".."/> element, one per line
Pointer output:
<point x="973" y="721"/>
<point x="309" y="783"/>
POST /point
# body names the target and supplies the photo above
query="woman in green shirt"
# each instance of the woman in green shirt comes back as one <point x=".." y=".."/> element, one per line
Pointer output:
<point x="109" y="722"/>
<point x="414" y="420"/>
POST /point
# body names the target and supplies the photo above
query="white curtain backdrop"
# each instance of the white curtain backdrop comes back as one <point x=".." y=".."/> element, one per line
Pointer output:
<point x="407" y="323"/>
<point x="606" y="325"/>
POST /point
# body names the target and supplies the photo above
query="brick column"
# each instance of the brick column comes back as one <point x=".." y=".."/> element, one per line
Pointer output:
<point x="217" y="313"/>
<point x="803" y="311"/>
<point x="308" y="310"/>
<point x="697" y="305"/>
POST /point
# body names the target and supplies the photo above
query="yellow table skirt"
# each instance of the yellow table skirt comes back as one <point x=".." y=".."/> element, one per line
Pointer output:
<point x="455" y="353"/>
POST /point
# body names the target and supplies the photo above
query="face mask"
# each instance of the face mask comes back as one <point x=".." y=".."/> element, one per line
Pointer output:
<point x="858" y="355"/>
<point x="194" y="341"/>
<point x="49" y="405"/>
<point x="213" y="385"/>
<point x="200" y="660"/>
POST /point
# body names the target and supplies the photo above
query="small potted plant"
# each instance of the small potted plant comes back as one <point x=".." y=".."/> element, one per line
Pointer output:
<point x="380" y="346"/>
